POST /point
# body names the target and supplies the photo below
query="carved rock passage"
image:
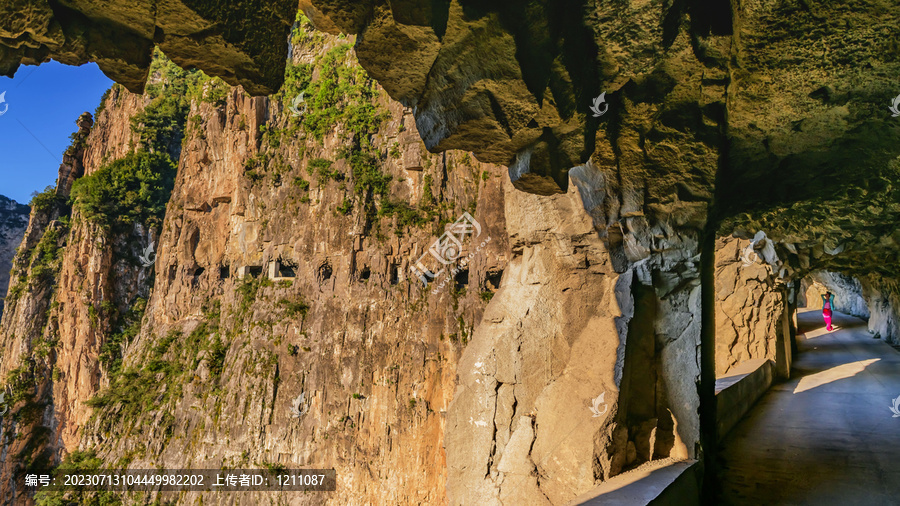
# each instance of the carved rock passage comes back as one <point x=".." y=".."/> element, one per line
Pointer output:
<point x="813" y="157"/>
<point x="243" y="42"/>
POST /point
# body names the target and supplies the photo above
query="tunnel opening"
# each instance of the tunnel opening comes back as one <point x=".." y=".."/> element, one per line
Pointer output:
<point x="492" y="279"/>
<point x="394" y="274"/>
<point x="324" y="272"/>
<point x="461" y="279"/>
<point x="284" y="269"/>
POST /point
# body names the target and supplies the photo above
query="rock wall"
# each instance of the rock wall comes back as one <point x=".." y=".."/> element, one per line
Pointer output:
<point x="558" y="390"/>
<point x="281" y="272"/>
<point x="883" y="302"/>
<point x="281" y="275"/>
<point x="13" y="222"/>
<point x="29" y="329"/>
<point x="848" y="292"/>
<point x="751" y="306"/>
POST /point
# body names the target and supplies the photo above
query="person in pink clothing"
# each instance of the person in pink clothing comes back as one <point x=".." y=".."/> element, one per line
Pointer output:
<point x="827" y="305"/>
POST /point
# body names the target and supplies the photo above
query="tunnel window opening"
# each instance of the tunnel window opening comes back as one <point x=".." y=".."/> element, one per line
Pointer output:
<point x="395" y="275"/>
<point x="254" y="271"/>
<point x="492" y="280"/>
<point x="285" y="269"/>
<point x="199" y="272"/>
<point x="324" y="272"/>
<point x="462" y="279"/>
<point x="224" y="272"/>
<point x="365" y="273"/>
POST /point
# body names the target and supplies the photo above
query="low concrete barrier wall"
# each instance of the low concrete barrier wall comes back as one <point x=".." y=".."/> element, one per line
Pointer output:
<point x="737" y="392"/>
<point x="678" y="483"/>
<point x="660" y="483"/>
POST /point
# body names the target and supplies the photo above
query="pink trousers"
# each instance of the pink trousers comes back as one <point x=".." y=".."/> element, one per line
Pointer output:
<point x="826" y="313"/>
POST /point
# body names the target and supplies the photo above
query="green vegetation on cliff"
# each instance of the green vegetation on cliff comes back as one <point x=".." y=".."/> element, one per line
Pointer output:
<point x="133" y="189"/>
<point x="43" y="260"/>
<point x="161" y="125"/>
<point x="46" y="200"/>
<point x="342" y="94"/>
<point x="78" y="461"/>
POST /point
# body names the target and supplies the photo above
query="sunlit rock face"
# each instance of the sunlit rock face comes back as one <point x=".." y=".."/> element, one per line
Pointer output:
<point x="751" y="305"/>
<point x="243" y="42"/>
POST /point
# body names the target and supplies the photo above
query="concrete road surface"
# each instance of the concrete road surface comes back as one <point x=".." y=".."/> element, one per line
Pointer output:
<point x="827" y="436"/>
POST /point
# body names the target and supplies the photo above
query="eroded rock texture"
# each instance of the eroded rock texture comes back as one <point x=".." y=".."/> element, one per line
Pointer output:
<point x="550" y="397"/>
<point x="752" y="308"/>
<point x="814" y="148"/>
<point x="847" y="291"/>
<point x="510" y="82"/>
<point x="771" y="117"/>
<point x="883" y="300"/>
<point x="243" y="42"/>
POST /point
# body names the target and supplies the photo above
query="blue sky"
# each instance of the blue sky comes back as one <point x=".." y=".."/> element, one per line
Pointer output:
<point x="43" y="104"/>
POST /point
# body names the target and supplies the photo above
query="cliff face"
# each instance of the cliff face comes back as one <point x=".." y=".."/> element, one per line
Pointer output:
<point x="263" y="304"/>
<point x="13" y="222"/>
<point x="281" y="270"/>
<point x="276" y="278"/>
<point x="287" y="269"/>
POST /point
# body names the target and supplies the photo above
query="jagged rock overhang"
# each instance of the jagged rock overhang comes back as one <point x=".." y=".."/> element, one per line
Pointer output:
<point x="243" y="42"/>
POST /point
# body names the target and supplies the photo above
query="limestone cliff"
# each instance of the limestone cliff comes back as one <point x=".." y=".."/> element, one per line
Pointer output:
<point x="281" y="268"/>
<point x="13" y="222"/>
<point x="277" y="260"/>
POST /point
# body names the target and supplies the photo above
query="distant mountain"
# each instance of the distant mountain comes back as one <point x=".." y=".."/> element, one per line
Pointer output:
<point x="13" y="222"/>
